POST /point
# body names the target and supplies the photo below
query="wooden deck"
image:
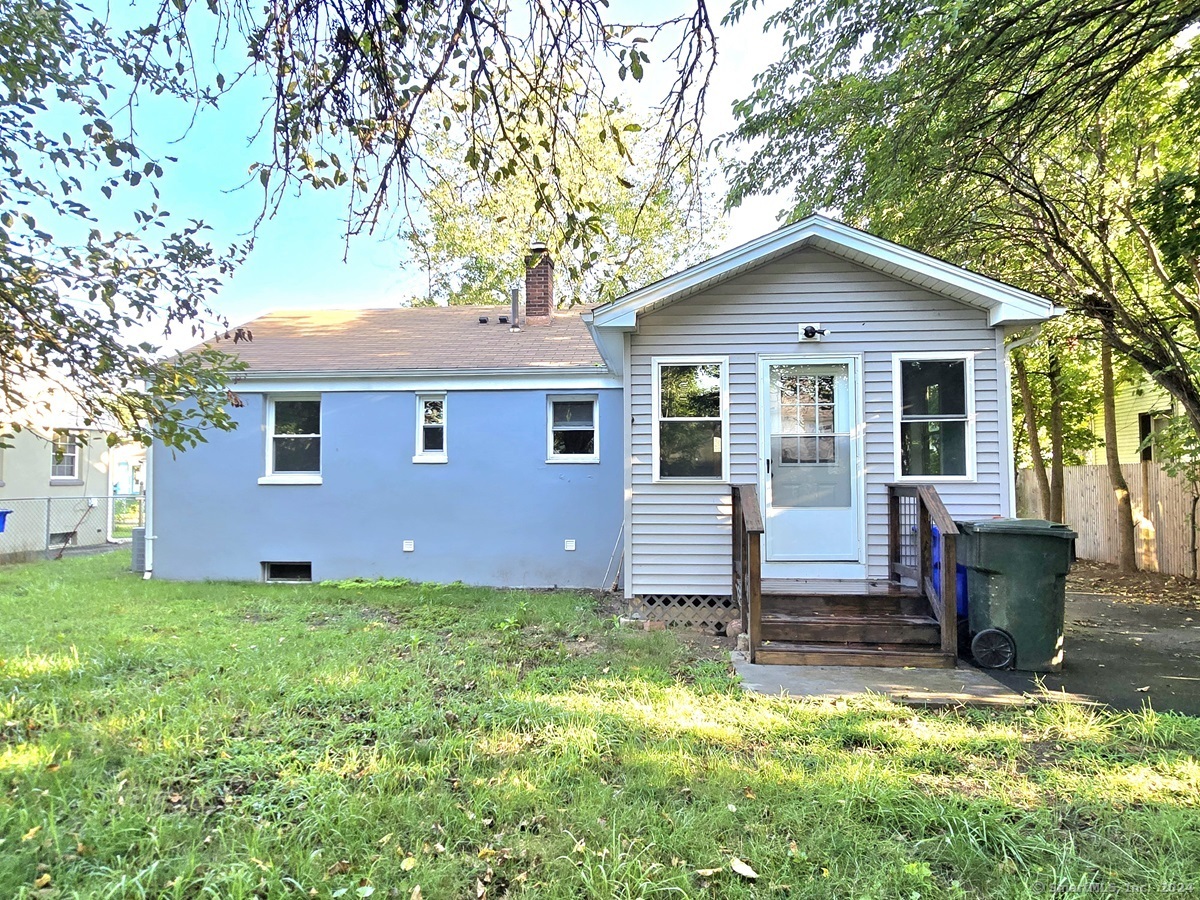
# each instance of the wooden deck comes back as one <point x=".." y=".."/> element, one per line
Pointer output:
<point x="904" y="620"/>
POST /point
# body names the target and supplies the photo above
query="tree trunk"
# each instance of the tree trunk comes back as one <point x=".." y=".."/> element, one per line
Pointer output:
<point x="1057" y="501"/>
<point x="1031" y="431"/>
<point x="1126" y="553"/>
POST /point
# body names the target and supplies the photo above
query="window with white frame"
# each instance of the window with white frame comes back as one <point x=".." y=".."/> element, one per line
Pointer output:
<point x="64" y="461"/>
<point x="572" y="427"/>
<point x="935" y="422"/>
<point x="689" y="419"/>
<point x="295" y="435"/>
<point x="431" y="428"/>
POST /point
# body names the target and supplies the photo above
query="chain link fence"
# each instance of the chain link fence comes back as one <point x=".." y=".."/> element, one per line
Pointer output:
<point x="52" y="527"/>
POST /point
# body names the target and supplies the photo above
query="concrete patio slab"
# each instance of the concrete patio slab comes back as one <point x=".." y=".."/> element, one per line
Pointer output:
<point x="962" y="686"/>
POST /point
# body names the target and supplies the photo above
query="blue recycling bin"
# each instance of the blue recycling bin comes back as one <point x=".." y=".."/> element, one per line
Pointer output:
<point x="960" y="572"/>
<point x="4" y="517"/>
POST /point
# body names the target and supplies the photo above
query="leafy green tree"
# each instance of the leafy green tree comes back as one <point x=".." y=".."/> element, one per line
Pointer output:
<point x="640" y="226"/>
<point x="934" y="125"/>
<point x="72" y="293"/>
<point x="351" y="89"/>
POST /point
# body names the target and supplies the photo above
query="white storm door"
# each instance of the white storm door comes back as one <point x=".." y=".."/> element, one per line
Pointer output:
<point x="810" y="444"/>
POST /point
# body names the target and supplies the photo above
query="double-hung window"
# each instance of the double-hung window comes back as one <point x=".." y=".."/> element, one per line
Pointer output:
<point x="293" y="440"/>
<point x="690" y="411"/>
<point x="572" y="429"/>
<point x="935" y="413"/>
<point x="64" y="460"/>
<point x="431" y="429"/>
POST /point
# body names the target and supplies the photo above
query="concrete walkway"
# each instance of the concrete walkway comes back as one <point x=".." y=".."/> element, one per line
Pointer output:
<point x="963" y="686"/>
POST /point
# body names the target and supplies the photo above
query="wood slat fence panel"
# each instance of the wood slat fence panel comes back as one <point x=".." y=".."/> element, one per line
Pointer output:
<point x="1162" y="514"/>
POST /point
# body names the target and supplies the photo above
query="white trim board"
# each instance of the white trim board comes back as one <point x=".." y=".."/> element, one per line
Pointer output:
<point x="1004" y="303"/>
<point x="427" y="382"/>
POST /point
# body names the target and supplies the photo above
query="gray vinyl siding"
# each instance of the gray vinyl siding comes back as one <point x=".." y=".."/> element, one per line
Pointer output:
<point x="679" y="533"/>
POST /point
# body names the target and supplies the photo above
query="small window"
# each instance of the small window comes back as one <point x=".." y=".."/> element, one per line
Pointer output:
<point x="935" y="426"/>
<point x="295" y="437"/>
<point x="690" y="419"/>
<point x="572" y="429"/>
<point x="431" y="428"/>
<point x="294" y="572"/>
<point x="64" y="462"/>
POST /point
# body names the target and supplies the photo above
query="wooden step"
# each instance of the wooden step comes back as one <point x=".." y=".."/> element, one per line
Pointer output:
<point x="787" y="653"/>
<point x="904" y="604"/>
<point x="823" y="626"/>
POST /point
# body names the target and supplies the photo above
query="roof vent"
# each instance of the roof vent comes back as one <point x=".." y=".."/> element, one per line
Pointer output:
<point x="483" y="320"/>
<point x="503" y="320"/>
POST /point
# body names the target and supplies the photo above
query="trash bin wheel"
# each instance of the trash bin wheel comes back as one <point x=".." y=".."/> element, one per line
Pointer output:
<point x="994" y="649"/>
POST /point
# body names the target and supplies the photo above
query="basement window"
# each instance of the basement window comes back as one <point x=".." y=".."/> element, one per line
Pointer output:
<point x="287" y="572"/>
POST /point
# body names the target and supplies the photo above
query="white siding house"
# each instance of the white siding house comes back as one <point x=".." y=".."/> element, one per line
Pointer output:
<point x="825" y="410"/>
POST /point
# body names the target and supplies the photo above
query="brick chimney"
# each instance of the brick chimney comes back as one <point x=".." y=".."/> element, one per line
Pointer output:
<point x="539" y="285"/>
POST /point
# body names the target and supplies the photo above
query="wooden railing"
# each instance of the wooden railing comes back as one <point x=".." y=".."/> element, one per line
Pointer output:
<point x="747" y="560"/>
<point x="913" y="511"/>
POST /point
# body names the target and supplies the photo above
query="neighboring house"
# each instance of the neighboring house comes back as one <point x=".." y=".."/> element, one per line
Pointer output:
<point x="818" y="364"/>
<point x="1142" y="409"/>
<point x="57" y="476"/>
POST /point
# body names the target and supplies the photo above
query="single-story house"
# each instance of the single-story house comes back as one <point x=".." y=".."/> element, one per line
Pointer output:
<point x="835" y="386"/>
<point x="59" y="475"/>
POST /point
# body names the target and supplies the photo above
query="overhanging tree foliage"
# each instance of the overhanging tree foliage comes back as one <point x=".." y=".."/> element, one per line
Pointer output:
<point x="1044" y="142"/>
<point x="358" y="91"/>
<point x="74" y="294"/>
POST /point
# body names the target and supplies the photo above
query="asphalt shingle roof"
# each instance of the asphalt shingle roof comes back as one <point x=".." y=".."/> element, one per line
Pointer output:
<point x="405" y="340"/>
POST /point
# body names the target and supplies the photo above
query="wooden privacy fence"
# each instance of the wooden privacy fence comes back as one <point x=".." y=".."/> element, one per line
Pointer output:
<point x="1162" y="514"/>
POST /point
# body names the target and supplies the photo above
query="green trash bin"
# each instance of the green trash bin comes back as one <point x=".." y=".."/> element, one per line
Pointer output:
<point x="1016" y="591"/>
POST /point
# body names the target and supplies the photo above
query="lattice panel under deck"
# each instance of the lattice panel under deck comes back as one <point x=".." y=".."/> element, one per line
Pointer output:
<point x="684" y="610"/>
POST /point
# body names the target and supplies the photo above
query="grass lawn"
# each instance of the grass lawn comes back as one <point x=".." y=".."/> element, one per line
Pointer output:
<point x="247" y="740"/>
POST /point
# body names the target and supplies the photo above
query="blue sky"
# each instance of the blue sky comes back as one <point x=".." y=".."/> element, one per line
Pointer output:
<point x="298" y="257"/>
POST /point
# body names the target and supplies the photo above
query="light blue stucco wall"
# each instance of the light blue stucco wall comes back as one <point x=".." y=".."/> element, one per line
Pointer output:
<point x="496" y="514"/>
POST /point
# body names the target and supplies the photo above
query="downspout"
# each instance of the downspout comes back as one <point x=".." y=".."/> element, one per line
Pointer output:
<point x="1008" y="349"/>
<point x="149" y="513"/>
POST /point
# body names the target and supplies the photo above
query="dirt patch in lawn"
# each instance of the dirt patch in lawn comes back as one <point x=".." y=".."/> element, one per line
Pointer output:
<point x="1134" y="587"/>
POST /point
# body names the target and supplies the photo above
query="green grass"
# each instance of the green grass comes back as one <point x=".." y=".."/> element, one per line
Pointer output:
<point x="245" y="740"/>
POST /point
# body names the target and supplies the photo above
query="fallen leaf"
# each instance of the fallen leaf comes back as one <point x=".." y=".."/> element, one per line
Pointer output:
<point x="409" y="864"/>
<point x="416" y="893"/>
<point x="709" y="873"/>
<point x="341" y="867"/>
<point x="42" y="881"/>
<point x="31" y="833"/>
<point x="742" y="869"/>
<point x="383" y="840"/>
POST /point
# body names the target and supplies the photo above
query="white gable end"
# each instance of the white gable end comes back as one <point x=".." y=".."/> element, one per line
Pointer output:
<point x="1004" y="304"/>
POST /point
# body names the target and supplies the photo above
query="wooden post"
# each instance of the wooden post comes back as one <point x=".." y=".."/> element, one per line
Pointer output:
<point x="754" y="587"/>
<point x="925" y="543"/>
<point x="893" y="533"/>
<point x="950" y="593"/>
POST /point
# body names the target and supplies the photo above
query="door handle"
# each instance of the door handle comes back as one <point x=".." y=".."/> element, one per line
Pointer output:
<point x="768" y="465"/>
